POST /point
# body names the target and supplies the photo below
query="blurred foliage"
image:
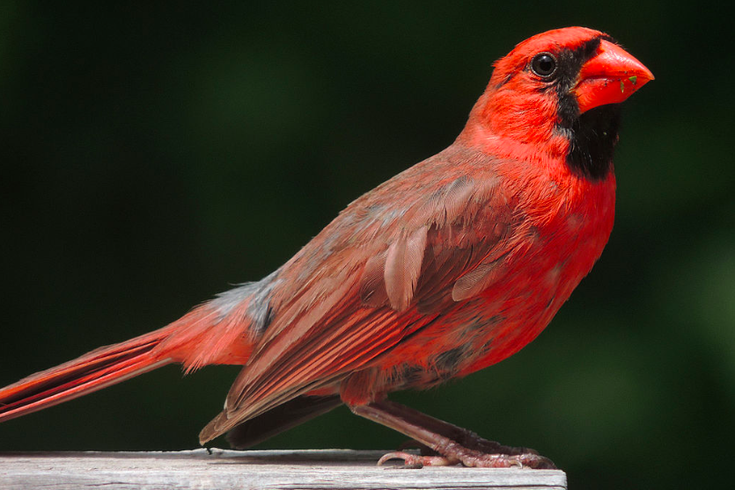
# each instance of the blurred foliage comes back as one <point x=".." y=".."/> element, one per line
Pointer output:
<point x="154" y="154"/>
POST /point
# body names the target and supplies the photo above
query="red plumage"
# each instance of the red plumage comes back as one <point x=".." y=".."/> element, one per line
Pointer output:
<point x="453" y="265"/>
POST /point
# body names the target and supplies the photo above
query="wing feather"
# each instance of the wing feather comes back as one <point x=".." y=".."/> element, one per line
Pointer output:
<point x="403" y="266"/>
<point x="381" y="271"/>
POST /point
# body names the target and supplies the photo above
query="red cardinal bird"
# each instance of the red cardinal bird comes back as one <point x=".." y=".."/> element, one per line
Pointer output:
<point x="447" y="268"/>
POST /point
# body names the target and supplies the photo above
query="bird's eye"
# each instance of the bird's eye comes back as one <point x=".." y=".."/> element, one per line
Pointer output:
<point x="544" y="65"/>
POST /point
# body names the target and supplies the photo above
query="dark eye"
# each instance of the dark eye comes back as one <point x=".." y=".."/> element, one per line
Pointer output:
<point x="543" y="65"/>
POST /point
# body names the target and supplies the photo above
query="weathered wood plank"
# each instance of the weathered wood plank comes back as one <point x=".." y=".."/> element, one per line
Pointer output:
<point x="312" y="469"/>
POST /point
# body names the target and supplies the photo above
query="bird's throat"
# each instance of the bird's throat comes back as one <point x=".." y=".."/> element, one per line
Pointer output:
<point x="592" y="139"/>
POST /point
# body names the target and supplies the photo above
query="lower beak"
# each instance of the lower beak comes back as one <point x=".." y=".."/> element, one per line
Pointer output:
<point x="609" y="77"/>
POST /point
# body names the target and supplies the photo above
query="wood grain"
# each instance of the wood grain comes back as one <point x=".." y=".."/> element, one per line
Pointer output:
<point x="303" y="469"/>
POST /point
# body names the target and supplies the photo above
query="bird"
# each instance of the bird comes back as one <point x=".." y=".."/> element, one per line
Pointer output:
<point x="451" y="266"/>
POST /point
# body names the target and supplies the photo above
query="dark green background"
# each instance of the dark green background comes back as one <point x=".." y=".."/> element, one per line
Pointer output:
<point x="153" y="155"/>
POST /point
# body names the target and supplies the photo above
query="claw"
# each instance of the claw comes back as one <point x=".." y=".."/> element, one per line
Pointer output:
<point x="415" y="461"/>
<point x="410" y="461"/>
<point x="394" y="455"/>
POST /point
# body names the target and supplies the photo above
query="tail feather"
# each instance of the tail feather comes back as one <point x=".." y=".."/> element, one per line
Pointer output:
<point x="206" y="335"/>
<point x="91" y="372"/>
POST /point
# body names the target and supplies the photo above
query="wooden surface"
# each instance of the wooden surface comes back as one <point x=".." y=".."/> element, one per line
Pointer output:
<point x="250" y="469"/>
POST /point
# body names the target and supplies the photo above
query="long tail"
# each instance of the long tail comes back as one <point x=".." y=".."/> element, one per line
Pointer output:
<point x="200" y="338"/>
<point x="91" y="372"/>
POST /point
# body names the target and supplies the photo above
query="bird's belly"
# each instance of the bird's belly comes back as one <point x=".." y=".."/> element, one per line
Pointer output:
<point x="497" y="323"/>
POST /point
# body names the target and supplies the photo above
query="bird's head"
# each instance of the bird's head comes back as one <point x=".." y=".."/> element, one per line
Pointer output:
<point x="558" y="94"/>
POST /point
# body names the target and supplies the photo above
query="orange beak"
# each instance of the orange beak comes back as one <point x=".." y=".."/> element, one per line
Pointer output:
<point x="610" y="77"/>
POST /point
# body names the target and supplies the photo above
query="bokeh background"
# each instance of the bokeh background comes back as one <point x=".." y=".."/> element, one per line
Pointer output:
<point x="154" y="154"/>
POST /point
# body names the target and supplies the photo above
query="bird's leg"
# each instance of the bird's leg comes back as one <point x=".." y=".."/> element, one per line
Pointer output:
<point x="452" y="444"/>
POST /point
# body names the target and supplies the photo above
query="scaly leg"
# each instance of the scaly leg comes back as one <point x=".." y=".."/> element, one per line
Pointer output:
<point x="453" y="444"/>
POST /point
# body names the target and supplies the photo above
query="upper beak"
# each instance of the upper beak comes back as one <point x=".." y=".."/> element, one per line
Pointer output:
<point x="610" y="77"/>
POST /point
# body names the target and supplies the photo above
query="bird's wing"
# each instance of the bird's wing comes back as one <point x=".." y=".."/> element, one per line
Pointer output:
<point x="380" y="271"/>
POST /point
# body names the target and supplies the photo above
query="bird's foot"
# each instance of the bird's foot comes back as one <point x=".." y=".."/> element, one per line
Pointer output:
<point x="471" y="458"/>
<point x="445" y="444"/>
<point x="476" y="452"/>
